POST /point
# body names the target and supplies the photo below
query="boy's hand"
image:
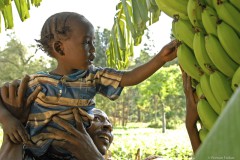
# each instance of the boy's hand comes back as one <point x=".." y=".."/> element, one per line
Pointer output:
<point x="169" y="51"/>
<point x="15" y="130"/>
<point x="13" y="98"/>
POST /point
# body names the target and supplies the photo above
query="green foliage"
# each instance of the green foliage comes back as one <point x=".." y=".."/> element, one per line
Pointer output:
<point x="172" y="145"/>
<point x="173" y="123"/>
<point x="155" y="124"/>
<point x="17" y="60"/>
<point x="101" y="41"/>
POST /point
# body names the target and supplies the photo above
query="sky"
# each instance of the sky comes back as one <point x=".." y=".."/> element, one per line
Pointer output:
<point x="98" y="12"/>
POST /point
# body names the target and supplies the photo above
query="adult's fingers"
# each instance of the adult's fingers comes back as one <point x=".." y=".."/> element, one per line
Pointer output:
<point x="23" y="87"/>
<point x="52" y="134"/>
<point x="33" y="96"/>
<point x="65" y="125"/>
<point x="78" y="119"/>
<point x="12" y="91"/>
<point x="5" y="92"/>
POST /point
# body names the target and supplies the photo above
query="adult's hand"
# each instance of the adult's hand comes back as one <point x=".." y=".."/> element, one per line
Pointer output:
<point x="13" y="97"/>
<point x="75" y="140"/>
<point x="191" y="101"/>
<point x="191" y="112"/>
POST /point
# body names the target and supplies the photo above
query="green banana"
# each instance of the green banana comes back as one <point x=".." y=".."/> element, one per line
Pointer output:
<point x="194" y="10"/>
<point x="188" y="62"/>
<point x="206" y="114"/>
<point x="235" y="3"/>
<point x="223" y="105"/>
<point x="184" y="31"/>
<point x="203" y="133"/>
<point x="171" y="9"/>
<point x="209" y="20"/>
<point x="229" y="40"/>
<point x="228" y="13"/>
<point x="219" y="56"/>
<point x="208" y="93"/>
<point x="201" y="53"/>
<point x="179" y="6"/>
<point x="209" y="3"/>
<point x="236" y="79"/>
<point x="221" y="86"/>
<point x="199" y="91"/>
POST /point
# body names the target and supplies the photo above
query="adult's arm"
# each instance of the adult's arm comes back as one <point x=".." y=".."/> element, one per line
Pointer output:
<point x="191" y="112"/>
<point x="15" y="105"/>
<point x="76" y="140"/>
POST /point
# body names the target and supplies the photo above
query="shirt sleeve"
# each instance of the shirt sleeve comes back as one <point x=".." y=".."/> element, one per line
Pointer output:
<point x="108" y="82"/>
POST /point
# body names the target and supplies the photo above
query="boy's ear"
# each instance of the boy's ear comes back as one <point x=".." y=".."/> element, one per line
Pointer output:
<point x="57" y="47"/>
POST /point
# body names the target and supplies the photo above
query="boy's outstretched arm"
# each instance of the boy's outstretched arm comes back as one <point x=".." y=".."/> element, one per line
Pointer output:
<point x="139" y="74"/>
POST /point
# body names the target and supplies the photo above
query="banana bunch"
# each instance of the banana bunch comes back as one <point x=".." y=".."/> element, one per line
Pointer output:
<point x="209" y="51"/>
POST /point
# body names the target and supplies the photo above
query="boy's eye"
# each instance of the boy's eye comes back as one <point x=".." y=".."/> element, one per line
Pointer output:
<point x="89" y="42"/>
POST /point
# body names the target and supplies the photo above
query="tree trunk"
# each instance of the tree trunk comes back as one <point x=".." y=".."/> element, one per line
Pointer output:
<point x="163" y="120"/>
<point x="156" y="108"/>
<point x="123" y="114"/>
<point x="138" y="114"/>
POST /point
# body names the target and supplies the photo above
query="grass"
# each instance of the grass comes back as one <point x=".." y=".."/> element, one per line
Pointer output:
<point x="171" y="145"/>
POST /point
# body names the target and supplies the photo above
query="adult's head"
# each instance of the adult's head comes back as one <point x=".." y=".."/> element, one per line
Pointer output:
<point x="100" y="131"/>
<point x="68" y="37"/>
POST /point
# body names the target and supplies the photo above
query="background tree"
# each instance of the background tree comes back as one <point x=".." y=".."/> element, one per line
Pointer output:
<point x="17" y="60"/>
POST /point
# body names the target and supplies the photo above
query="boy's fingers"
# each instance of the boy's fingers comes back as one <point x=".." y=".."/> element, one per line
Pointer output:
<point x="23" y="134"/>
<point x="23" y="87"/>
<point x="14" y="138"/>
<point x="33" y="96"/>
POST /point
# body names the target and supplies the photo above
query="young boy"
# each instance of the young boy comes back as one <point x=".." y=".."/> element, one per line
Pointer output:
<point x="69" y="38"/>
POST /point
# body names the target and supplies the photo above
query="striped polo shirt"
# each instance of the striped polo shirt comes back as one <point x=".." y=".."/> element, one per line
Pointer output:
<point x="61" y="94"/>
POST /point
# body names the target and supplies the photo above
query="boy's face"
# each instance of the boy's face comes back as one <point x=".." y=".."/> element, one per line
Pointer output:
<point x="79" y="49"/>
